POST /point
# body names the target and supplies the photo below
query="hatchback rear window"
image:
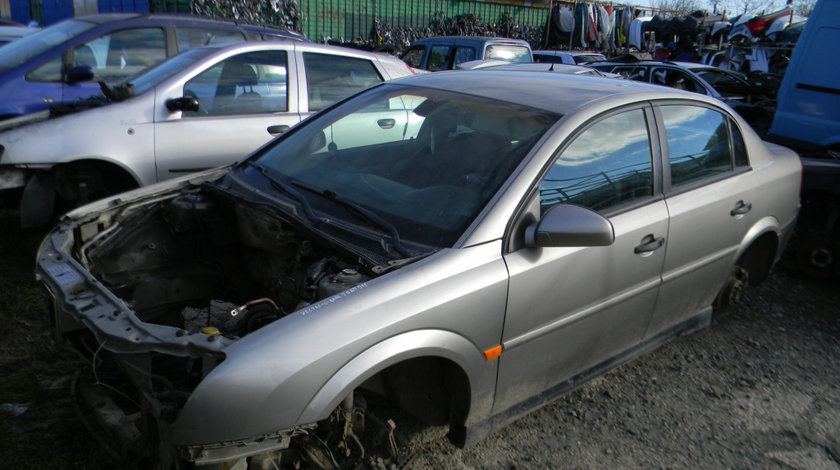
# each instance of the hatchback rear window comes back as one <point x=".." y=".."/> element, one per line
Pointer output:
<point x="509" y="53"/>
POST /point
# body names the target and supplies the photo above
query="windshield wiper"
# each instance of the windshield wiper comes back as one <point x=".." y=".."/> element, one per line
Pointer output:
<point x="288" y="189"/>
<point x="119" y="92"/>
<point x="361" y="213"/>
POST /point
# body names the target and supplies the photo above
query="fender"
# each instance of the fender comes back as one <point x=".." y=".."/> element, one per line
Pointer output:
<point x="413" y="344"/>
<point x="762" y="226"/>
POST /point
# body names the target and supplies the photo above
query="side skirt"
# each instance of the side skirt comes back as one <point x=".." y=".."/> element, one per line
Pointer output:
<point x="475" y="433"/>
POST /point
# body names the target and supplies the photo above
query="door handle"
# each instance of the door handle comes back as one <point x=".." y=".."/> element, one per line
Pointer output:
<point x="277" y="130"/>
<point x="649" y="245"/>
<point x="740" y="208"/>
<point x="386" y="123"/>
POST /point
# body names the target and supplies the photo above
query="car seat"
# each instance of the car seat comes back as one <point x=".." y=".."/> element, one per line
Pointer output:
<point x="237" y="75"/>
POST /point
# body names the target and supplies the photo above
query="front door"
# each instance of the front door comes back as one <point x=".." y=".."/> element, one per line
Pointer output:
<point x="245" y="101"/>
<point x="572" y="309"/>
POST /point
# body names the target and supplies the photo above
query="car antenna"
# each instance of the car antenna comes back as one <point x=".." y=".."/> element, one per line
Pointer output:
<point x="551" y="69"/>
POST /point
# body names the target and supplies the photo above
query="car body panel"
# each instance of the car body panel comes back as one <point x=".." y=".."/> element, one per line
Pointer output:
<point x="403" y="308"/>
<point x="554" y="331"/>
<point x="518" y="322"/>
<point x="808" y="114"/>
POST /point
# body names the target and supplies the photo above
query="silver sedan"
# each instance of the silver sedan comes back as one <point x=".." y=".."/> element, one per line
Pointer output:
<point x="468" y="244"/>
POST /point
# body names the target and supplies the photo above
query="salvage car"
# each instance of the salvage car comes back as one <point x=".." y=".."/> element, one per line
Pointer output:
<point x="749" y="100"/>
<point x="12" y="32"/>
<point x="463" y="244"/>
<point x="446" y="52"/>
<point x="204" y="108"/>
<point x="568" y="57"/>
<point x="65" y="61"/>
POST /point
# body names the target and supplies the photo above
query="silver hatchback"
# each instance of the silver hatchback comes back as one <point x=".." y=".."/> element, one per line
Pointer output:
<point x="203" y="108"/>
<point x="465" y="244"/>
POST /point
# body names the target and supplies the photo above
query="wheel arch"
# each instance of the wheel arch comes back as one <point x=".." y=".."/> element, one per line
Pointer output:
<point x="463" y="362"/>
<point x="760" y="249"/>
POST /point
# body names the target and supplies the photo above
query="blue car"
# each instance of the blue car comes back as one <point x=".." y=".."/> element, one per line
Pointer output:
<point x="66" y="61"/>
<point x="445" y="53"/>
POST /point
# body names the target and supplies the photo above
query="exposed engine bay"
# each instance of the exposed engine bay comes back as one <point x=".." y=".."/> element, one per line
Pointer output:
<point x="197" y="272"/>
<point x="201" y="263"/>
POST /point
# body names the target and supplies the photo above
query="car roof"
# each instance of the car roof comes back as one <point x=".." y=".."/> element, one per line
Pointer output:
<point x="470" y="40"/>
<point x="307" y="47"/>
<point x="106" y="18"/>
<point x="16" y="31"/>
<point x="546" y="67"/>
<point x="550" y="91"/>
<point x="570" y="53"/>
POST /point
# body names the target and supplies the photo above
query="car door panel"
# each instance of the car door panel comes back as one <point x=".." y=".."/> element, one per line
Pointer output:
<point x="709" y="201"/>
<point x="698" y="259"/>
<point x="229" y="125"/>
<point x="572" y="308"/>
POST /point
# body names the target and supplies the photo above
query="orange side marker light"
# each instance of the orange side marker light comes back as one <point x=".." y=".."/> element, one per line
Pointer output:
<point x="493" y="352"/>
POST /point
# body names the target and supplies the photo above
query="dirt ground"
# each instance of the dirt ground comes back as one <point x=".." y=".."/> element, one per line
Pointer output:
<point x="757" y="389"/>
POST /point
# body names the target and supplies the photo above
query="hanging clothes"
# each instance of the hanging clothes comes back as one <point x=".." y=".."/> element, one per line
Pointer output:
<point x="567" y="20"/>
<point x="580" y="26"/>
<point x="591" y="27"/>
<point x="636" y="39"/>
<point x="603" y="27"/>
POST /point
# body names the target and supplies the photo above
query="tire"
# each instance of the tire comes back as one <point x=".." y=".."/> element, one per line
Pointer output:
<point x="816" y="255"/>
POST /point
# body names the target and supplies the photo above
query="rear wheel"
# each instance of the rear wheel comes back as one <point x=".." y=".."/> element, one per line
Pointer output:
<point x="733" y="290"/>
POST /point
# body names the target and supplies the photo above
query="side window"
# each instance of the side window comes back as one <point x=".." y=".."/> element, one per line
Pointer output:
<point x="676" y="79"/>
<point x="330" y="78"/>
<point x="632" y="73"/>
<point x="698" y="143"/>
<point x="245" y="84"/>
<point x="414" y="56"/>
<point x="739" y="147"/>
<point x="189" y="38"/>
<point x="464" y="54"/>
<point x="599" y="172"/>
<point x="123" y="54"/>
<point x="438" y="58"/>
<point x="49" y="72"/>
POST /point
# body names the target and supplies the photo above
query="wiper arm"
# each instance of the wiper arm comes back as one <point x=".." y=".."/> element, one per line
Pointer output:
<point x="120" y="92"/>
<point x="361" y="213"/>
<point x="288" y="189"/>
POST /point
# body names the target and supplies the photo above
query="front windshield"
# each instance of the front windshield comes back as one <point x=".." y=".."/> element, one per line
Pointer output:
<point x="424" y="160"/>
<point x="155" y="75"/>
<point x="35" y="44"/>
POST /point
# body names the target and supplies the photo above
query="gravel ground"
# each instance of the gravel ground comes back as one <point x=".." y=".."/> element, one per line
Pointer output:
<point x="757" y="389"/>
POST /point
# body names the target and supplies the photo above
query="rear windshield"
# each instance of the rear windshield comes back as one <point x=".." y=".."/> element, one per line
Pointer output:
<point x="508" y="52"/>
<point x="21" y="51"/>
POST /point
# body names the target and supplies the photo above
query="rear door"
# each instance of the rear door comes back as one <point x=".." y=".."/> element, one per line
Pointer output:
<point x="245" y="100"/>
<point x="710" y="189"/>
<point x="327" y="77"/>
<point x="571" y="310"/>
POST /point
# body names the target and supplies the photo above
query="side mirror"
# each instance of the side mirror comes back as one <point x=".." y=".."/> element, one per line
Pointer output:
<point x="184" y="103"/>
<point x="80" y="73"/>
<point x="568" y="225"/>
<point x="318" y="142"/>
